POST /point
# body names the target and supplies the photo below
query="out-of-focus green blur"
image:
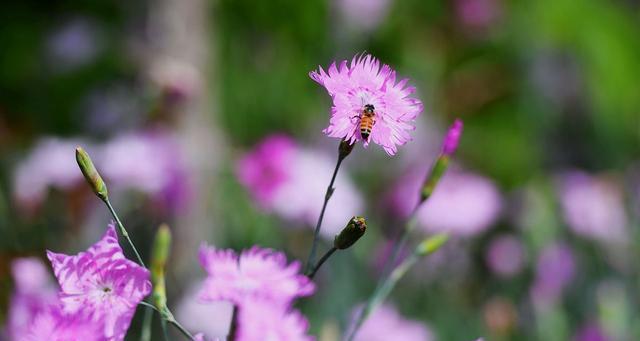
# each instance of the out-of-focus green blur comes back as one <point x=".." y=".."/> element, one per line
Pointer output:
<point x="544" y="87"/>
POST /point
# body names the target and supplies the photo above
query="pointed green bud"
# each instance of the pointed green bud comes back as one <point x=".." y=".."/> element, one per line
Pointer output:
<point x="91" y="174"/>
<point x="438" y="170"/>
<point x="344" y="149"/>
<point x="351" y="233"/>
<point x="159" y="256"/>
<point x="431" y="244"/>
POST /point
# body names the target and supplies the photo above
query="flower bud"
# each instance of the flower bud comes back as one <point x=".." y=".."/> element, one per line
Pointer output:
<point x="429" y="185"/>
<point x="345" y="148"/>
<point x="431" y="244"/>
<point x="450" y="143"/>
<point x="159" y="256"/>
<point x="351" y="233"/>
<point x="91" y="174"/>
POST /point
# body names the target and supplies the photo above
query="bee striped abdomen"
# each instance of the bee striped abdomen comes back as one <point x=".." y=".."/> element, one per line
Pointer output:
<point x="367" y="120"/>
<point x="366" y="124"/>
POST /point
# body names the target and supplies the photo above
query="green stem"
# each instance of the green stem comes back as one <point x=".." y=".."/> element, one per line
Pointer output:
<point x="165" y="332"/>
<point x="409" y="226"/>
<point x="316" y="233"/>
<point x="146" y="325"/>
<point x="167" y="316"/>
<point x="321" y="261"/>
<point x="123" y="231"/>
<point x="382" y="292"/>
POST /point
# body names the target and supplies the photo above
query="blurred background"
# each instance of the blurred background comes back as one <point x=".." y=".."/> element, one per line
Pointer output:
<point x="174" y="100"/>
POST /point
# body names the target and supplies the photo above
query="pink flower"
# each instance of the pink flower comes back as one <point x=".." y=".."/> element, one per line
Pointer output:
<point x="555" y="270"/>
<point x="451" y="140"/>
<point x="211" y="318"/>
<point x="478" y="14"/>
<point x="150" y="162"/>
<point x="591" y="332"/>
<point x="386" y="324"/>
<point x="54" y="325"/>
<point x="463" y="204"/>
<point x="594" y="207"/>
<point x="287" y="179"/>
<point x="256" y="274"/>
<point x="363" y="85"/>
<point x="51" y="163"/>
<point x="364" y="15"/>
<point x="263" y="321"/>
<point x="102" y="284"/>
<point x="33" y="294"/>
<point x="505" y="256"/>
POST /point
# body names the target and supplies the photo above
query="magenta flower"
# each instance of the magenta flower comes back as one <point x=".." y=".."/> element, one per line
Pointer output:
<point x="263" y="321"/>
<point x="505" y="256"/>
<point x="282" y="178"/>
<point x="555" y="270"/>
<point x="210" y="318"/>
<point x="463" y="204"/>
<point x="451" y="140"/>
<point x="591" y="332"/>
<point x="33" y="294"/>
<point x="365" y="86"/>
<point x="51" y="163"/>
<point x="256" y="274"/>
<point x="150" y="162"/>
<point x="387" y="324"/>
<point x="594" y="207"/>
<point x="102" y="284"/>
<point x="54" y="325"/>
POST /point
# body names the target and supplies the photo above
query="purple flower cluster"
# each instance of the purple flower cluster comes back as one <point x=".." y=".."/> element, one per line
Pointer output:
<point x="262" y="286"/>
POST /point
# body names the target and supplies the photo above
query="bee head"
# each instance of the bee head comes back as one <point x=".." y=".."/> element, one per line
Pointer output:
<point x="368" y="108"/>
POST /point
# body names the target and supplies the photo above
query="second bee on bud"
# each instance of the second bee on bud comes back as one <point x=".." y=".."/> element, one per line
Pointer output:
<point x="351" y="233"/>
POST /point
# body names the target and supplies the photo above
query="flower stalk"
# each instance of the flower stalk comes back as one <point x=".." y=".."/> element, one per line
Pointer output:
<point x="356" y="227"/>
<point x="428" y="246"/>
<point x="425" y="248"/>
<point x="344" y="149"/>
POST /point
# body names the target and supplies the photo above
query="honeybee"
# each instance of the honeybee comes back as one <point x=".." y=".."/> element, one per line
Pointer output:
<point x="367" y="121"/>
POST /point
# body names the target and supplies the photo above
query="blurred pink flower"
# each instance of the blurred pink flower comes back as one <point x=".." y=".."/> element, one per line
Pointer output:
<point x="591" y="332"/>
<point x="53" y="325"/>
<point x="364" y="15"/>
<point x="386" y="324"/>
<point x="554" y="272"/>
<point x="593" y="207"/>
<point x="505" y="256"/>
<point x="256" y="274"/>
<point x="51" y="163"/>
<point x="477" y="14"/>
<point x="33" y="294"/>
<point x="102" y="284"/>
<point x="364" y="83"/>
<point x="263" y="321"/>
<point x="150" y="162"/>
<point x="463" y="204"/>
<point x="288" y="180"/>
<point x="211" y="318"/>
